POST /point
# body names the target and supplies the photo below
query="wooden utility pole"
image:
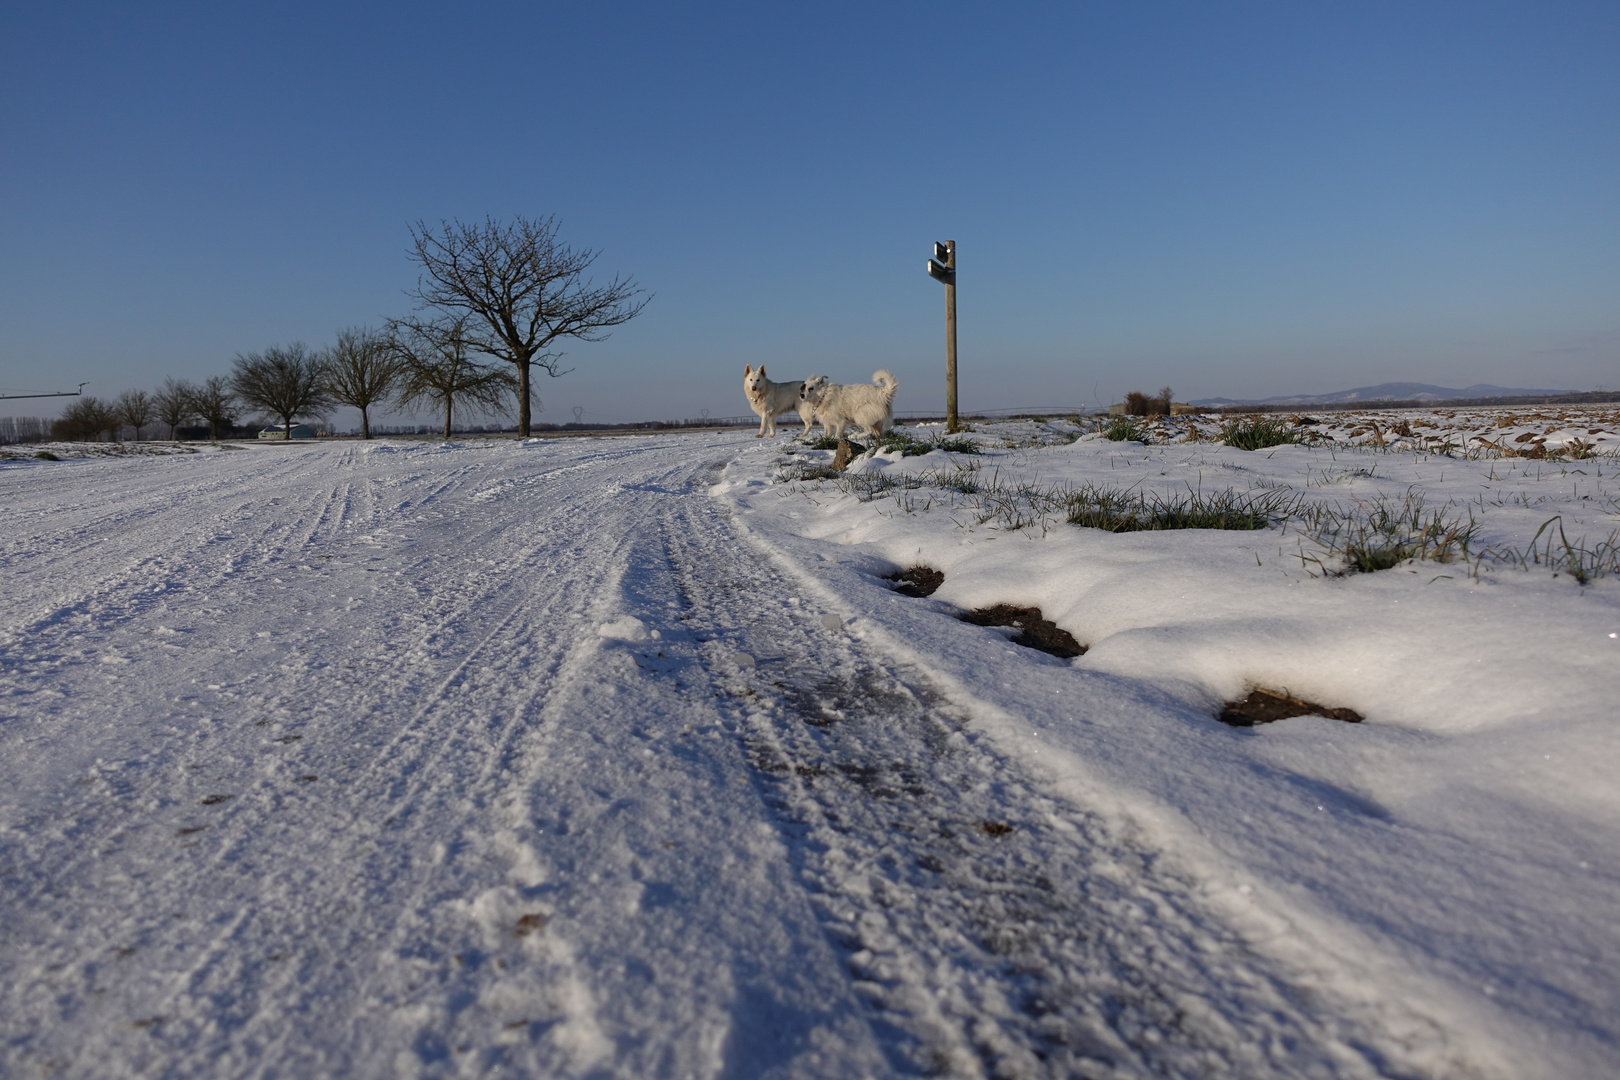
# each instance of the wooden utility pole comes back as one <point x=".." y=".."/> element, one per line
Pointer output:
<point x="942" y="268"/>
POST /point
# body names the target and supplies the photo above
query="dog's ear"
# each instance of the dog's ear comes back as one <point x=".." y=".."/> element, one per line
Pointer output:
<point x="762" y="371"/>
<point x="748" y="369"/>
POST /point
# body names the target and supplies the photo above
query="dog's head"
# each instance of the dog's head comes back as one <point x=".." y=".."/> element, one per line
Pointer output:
<point x="753" y="381"/>
<point x="812" y="388"/>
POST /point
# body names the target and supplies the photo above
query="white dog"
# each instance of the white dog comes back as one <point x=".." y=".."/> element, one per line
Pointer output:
<point x="772" y="399"/>
<point x="838" y="406"/>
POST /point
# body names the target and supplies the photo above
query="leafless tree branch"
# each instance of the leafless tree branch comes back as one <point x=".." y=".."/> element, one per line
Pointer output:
<point x="436" y="368"/>
<point x="135" y="409"/>
<point x="215" y="403"/>
<point x="361" y="370"/>
<point x="519" y="288"/>
<point x="173" y="403"/>
<point x="285" y="382"/>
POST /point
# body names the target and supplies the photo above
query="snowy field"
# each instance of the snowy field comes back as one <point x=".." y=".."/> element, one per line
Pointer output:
<point x="622" y="757"/>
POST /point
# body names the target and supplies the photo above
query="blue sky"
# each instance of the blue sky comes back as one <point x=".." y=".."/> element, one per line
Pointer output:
<point x="1239" y="199"/>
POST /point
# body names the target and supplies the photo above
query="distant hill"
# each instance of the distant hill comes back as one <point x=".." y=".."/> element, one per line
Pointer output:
<point x="1390" y="391"/>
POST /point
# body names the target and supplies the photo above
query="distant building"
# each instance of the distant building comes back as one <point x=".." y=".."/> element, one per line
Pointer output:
<point x="299" y="431"/>
<point x="1177" y="408"/>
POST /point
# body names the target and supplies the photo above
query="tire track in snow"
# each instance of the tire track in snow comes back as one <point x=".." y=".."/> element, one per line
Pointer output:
<point x="1002" y="931"/>
<point x="149" y="530"/>
<point x="675" y="941"/>
<point x="233" y="830"/>
<point x="437" y="764"/>
<point x="315" y="938"/>
<point x="389" y="898"/>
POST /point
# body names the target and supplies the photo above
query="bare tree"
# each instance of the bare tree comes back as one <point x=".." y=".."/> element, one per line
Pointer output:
<point x="214" y="402"/>
<point x="86" y="420"/>
<point x="70" y="426"/>
<point x="436" y="368"/>
<point x="1140" y="404"/>
<point x="361" y="370"/>
<point x="109" y="421"/>
<point x="285" y="382"/>
<point x="135" y="409"/>
<point x="173" y="403"/>
<point x="521" y="288"/>
<point x="80" y="421"/>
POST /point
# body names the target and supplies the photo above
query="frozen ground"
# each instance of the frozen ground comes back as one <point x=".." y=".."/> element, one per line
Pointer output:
<point x="619" y="757"/>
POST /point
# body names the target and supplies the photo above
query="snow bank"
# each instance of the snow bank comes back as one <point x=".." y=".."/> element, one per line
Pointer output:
<point x="1456" y="849"/>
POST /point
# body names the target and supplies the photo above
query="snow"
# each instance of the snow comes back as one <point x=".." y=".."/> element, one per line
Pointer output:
<point x="626" y="628"/>
<point x="619" y="757"/>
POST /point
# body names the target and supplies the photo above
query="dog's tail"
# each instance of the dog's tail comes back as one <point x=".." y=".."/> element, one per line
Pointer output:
<point x="885" y="381"/>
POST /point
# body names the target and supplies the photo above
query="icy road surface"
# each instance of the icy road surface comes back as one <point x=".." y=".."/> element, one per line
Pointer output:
<point x="527" y="760"/>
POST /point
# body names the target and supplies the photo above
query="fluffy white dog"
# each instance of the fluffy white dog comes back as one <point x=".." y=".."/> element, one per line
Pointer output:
<point x="772" y="399"/>
<point x="856" y="405"/>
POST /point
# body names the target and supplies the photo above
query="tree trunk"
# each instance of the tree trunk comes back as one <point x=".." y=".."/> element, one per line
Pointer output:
<point x="448" y="403"/>
<point x="523" y="399"/>
<point x="286" y="427"/>
<point x="365" y="424"/>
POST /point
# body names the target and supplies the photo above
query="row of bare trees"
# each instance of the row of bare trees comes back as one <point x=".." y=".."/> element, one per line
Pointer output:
<point x="412" y="364"/>
<point x="424" y="363"/>
<point x="176" y="405"/>
<point x="493" y="299"/>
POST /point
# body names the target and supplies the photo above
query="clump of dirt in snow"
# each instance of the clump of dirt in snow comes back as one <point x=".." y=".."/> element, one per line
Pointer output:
<point x="1037" y="633"/>
<point x="918" y="581"/>
<point x="1265" y="706"/>
<point x="847" y="452"/>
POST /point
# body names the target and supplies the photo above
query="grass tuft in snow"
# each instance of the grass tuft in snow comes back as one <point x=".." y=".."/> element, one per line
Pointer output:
<point x="1373" y="535"/>
<point x="911" y="446"/>
<point x="1125" y="429"/>
<point x="1125" y="510"/>
<point x="1580" y="450"/>
<point x="807" y="470"/>
<point x="956" y="445"/>
<point x="1027" y="504"/>
<point x="1562" y="556"/>
<point x="905" y="442"/>
<point x="1258" y="433"/>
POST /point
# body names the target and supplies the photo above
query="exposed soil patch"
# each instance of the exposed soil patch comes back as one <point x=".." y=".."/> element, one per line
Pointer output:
<point x="847" y="451"/>
<point x="1038" y="633"/>
<point x="918" y="581"/>
<point x="1264" y="706"/>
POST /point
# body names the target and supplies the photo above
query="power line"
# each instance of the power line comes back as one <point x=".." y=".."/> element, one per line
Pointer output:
<point x="59" y="393"/>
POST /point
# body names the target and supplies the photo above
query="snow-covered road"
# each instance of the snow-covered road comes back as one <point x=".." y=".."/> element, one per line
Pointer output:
<point x="531" y="759"/>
